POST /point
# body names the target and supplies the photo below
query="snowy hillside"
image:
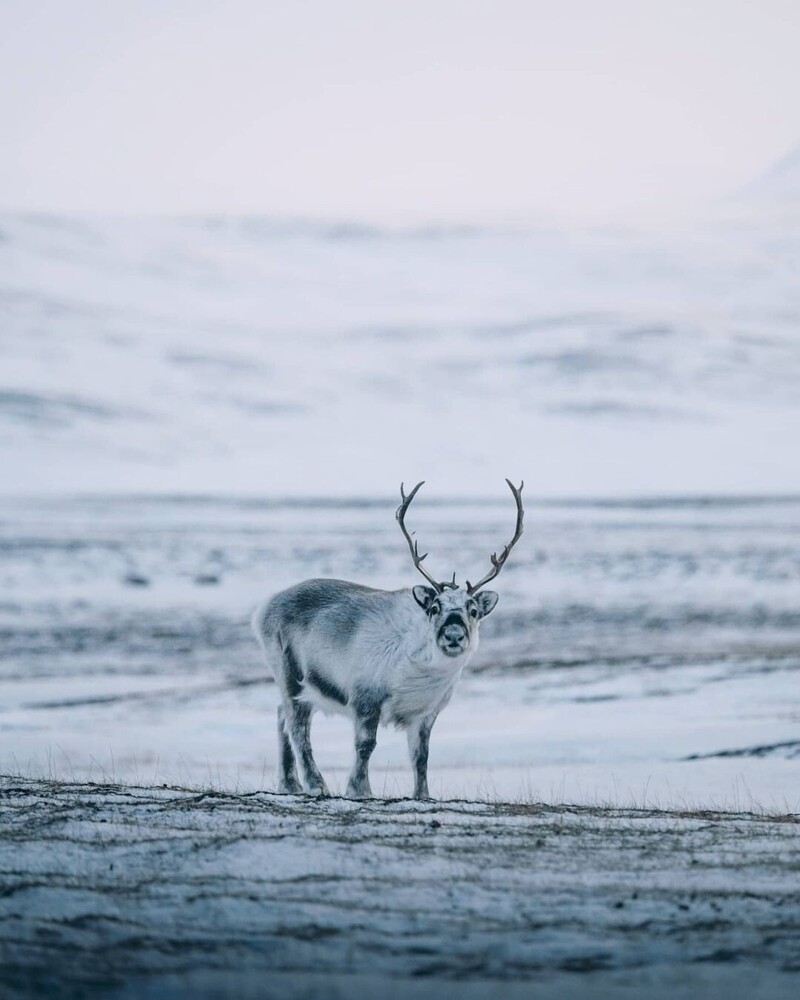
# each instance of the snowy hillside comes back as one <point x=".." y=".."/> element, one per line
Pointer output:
<point x="243" y="355"/>
<point x="780" y="184"/>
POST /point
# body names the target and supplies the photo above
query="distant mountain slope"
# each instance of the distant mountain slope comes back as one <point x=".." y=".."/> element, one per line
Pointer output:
<point x="239" y="354"/>
<point x="780" y="183"/>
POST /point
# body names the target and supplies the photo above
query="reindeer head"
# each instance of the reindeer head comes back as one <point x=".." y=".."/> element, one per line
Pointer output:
<point x="456" y="612"/>
<point x="454" y="615"/>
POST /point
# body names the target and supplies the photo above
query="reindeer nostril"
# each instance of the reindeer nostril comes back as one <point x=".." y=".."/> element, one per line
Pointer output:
<point x="453" y="633"/>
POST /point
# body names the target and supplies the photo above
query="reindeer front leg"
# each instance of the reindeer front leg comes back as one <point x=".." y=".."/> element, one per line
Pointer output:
<point x="419" y="736"/>
<point x="367" y="717"/>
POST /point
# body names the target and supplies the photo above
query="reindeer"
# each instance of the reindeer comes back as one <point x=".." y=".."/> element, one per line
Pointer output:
<point x="378" y="656"/>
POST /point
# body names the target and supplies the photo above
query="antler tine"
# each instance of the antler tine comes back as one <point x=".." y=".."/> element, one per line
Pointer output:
<point x="499" y="561"/>
<point x="413" y="545"/>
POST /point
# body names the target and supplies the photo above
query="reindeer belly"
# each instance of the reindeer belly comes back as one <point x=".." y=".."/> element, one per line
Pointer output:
<point x="324" y="694"/>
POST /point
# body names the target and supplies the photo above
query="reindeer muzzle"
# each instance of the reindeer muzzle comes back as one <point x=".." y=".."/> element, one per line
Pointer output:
<point x="453" y="636"/>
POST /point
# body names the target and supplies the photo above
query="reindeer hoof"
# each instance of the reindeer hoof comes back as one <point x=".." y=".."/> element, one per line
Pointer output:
<point x="359" y="792"/>
<point x="289" y="788"/>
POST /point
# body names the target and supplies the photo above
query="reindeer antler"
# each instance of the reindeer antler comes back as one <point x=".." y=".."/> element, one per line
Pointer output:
<point x="413" y="546"/>
<point x="499" y="561"/>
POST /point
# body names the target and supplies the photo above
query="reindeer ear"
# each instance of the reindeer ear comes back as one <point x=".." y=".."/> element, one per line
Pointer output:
<point x="423" y="596"/>
<point x="487" y="599"/>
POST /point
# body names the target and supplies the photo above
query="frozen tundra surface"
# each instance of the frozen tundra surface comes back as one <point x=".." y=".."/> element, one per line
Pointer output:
<point x="642" y="653"/>
<point x="129" y="891"/>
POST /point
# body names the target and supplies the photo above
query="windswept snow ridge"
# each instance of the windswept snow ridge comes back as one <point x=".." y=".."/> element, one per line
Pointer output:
<point x="111" y="890"/>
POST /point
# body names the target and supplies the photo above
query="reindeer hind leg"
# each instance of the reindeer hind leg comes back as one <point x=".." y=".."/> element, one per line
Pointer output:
<point x="298" y="724"/>
<point x="287" y="781"/>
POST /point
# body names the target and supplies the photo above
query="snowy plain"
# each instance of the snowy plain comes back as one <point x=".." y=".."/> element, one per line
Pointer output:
<point x="641" y="653"/>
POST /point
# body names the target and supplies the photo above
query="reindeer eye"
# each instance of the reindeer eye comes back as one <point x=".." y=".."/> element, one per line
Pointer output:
<point x="473" y="613"/>
<point x="435" y="609"/>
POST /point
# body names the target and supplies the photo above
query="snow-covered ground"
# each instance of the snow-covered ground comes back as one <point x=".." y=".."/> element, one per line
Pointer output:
<point x="246" y="355"/>
<point x="157" y="892"/>
<point x="197" y="413"/>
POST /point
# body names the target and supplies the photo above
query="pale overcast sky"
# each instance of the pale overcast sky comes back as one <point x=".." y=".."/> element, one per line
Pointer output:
<point x="417" y="109"/>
